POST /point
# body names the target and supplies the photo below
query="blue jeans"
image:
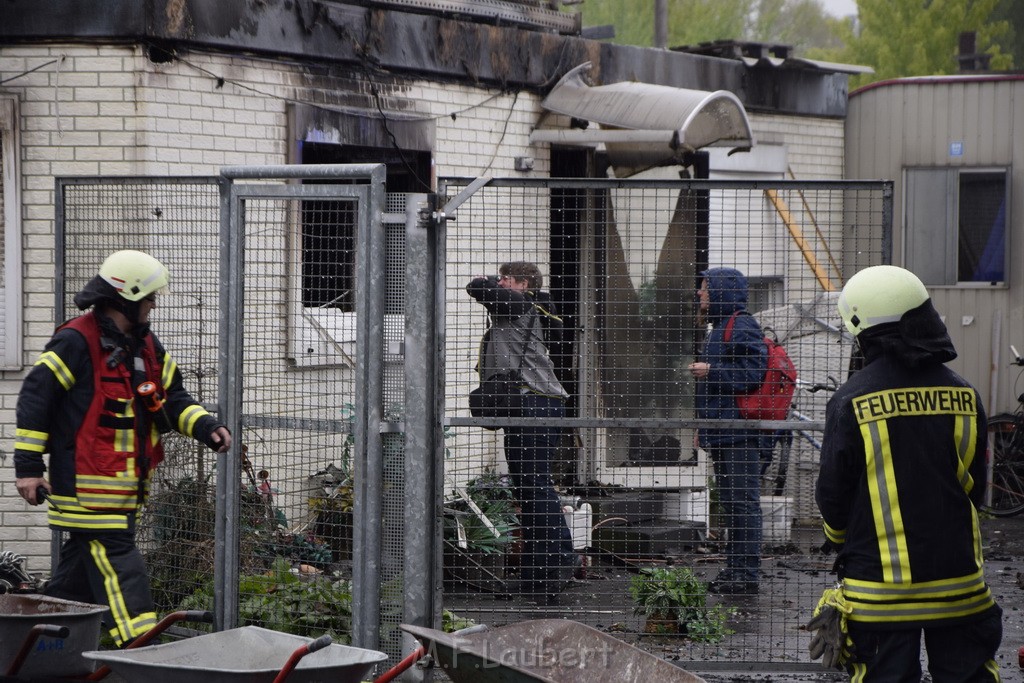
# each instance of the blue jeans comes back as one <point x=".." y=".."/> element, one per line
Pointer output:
<point x="547" y="544"/>
<point x="737" y="475"/>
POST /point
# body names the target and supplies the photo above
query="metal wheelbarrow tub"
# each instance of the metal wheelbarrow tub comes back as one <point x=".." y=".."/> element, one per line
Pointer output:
<point x="545" y="650"/>
<point x="50" y="656"/>
<point x="249" y="654"/>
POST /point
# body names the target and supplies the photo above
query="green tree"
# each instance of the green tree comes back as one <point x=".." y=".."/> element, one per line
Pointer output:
<point x="635" y="27"/>
<point x="691" y="22"/>
<point x="802" y="24"/>
<point x="799" y="23"/>
<point x="900" y="38"/>
<point x="1012" y="11"/>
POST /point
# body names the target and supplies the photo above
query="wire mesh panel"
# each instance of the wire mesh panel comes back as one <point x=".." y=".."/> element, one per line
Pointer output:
<point x="298" y="411"/>
<point x="177" y="221"/>
<point x="300" y="301"/>
<point x="679" y="510"/>
<point x="307" y="287"/>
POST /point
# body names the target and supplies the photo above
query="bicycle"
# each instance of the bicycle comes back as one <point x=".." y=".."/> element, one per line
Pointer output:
<point x="1004" y="494"/>
<point x="783" y="439"/>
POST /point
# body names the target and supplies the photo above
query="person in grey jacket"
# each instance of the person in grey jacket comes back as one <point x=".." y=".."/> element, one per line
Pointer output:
<point x="514" y="341"/>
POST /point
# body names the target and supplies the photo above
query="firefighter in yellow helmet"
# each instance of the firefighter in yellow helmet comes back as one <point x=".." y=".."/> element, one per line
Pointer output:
<point x="902" y="473"/>
<point x="97" y="400"/>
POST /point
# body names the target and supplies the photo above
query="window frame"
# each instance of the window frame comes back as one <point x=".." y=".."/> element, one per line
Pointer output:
<point x="922" y="184"/>
<point x="11" y="296"/>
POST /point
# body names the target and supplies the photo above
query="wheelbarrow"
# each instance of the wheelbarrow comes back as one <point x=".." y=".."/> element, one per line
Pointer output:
<point x="544" y="650"/>
<point x="249" y="654"/>
<point x="44" y="638"/>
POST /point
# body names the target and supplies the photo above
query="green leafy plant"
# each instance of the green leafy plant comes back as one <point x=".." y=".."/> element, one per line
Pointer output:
<point x="489" y="528"/>
<point x="451" y="622"/>
<point x="287" y="602"/>
<point x="675" y="594"/>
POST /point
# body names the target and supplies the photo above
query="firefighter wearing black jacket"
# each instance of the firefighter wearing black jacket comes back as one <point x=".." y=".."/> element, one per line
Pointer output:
<point x="902" y="474"/>
<point x="97" y="400"/>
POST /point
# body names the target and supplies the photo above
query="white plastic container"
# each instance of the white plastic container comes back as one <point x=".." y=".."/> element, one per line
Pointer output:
<point x="581" y="523"/>
<point x="691" y="505"/>
<point x="776" y="519"/>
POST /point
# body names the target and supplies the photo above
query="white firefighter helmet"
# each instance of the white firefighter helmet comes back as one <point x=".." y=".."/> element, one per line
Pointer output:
<point x="134" y="274"/>
<point x="879" y="294"/>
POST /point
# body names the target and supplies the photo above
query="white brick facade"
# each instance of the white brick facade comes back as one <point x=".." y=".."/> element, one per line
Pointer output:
<point x="109" y="110"/>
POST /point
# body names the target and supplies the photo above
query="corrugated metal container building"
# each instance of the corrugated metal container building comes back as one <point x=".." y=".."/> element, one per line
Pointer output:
<point x="954" y="145"/>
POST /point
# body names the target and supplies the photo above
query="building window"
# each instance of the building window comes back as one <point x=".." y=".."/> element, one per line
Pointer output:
<point x="328" y="227"/>
<point x="328" y="254"/>
<point x="955" y="225"/>
<point x="10" y="236"/>
<point x="322" y="330"/>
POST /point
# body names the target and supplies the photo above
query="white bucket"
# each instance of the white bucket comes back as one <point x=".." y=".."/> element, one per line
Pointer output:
<point x="688" y="506"/>
<point x="581" y="523"/>
<point x="776" y="519"/>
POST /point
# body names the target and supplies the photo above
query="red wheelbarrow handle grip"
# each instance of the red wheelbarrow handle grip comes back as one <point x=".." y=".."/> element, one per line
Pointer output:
<point x="318" y="644"/>
<point x="51" y="630"/>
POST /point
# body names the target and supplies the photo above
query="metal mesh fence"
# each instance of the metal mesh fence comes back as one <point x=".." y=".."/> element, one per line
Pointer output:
<point x="300" y="275"/>
<point x="177" y="221"/>
<point x="622" y="261"/>
<point x="649" y="513"/>
<point x="297" y="411"/>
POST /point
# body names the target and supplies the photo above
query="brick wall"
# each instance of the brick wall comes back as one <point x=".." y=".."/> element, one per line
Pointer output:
<point x="109" y="110"/>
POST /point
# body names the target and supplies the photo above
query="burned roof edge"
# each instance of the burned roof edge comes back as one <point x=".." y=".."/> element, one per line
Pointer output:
<point x="392" y="41"/>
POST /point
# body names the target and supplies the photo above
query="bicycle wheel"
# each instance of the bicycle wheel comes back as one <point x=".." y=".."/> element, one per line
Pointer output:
<point x="1004" y="496"/>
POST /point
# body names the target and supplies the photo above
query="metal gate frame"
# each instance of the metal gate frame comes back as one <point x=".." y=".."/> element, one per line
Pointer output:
<point x="370" y="197"/>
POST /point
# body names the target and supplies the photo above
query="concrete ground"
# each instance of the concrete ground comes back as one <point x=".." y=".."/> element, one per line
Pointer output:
<point x="768" y="643"/>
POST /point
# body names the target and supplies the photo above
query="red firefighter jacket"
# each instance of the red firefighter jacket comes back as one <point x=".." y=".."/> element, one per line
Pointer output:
<point x="79" y="404"/>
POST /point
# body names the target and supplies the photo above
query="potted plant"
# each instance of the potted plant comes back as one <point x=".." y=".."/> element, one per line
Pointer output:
<point x="480" y="532"/>
<point x="674" y="600"/>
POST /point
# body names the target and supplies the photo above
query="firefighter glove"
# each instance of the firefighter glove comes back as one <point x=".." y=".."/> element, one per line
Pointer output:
<point x="830" y="641"/>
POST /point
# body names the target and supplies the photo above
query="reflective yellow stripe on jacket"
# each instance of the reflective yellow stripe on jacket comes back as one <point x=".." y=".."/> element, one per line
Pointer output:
<point x="72" y="515"/>
<point x="897" y="597"/>
<point x="188" y="418"/>
<point x="879" y="602"/>
<point x="30" y="440"/>
<point x="58" y="368"/>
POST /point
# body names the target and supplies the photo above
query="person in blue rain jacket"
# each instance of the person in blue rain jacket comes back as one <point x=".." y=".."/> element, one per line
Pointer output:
<point x="725" y="369"/>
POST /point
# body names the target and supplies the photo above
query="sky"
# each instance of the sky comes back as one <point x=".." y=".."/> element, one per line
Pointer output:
<point x="839" y="8"/>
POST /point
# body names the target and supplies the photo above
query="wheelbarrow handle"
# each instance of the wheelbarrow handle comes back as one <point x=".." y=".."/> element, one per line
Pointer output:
<point x="421" y="652"/>
<point x="34" y="633"/>
<point x="161" y="626"/>
<point x="318" y="644"/>
<point x="400" y="668"/>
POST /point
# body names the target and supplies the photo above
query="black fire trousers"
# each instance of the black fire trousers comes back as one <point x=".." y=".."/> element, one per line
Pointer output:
<point x="962" y="653"/>
<point x="105" y="568"/>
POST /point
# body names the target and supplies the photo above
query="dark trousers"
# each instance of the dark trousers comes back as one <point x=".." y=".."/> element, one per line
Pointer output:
<point x="963" y="653"/>
<point x="105" y="568"/>
<point x="738" y="479"/>
<point x="547" y="544"/>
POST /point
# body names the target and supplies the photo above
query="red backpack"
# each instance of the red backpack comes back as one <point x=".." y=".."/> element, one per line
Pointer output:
<point x="771" y="400"/>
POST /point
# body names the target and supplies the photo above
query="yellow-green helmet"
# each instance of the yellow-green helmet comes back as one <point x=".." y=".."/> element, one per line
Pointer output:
<point x="879" y="294"/>
<point x="134" y="274"/>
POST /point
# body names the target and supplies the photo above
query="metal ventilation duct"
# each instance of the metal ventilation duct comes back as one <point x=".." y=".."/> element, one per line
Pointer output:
<point x="645" y="125"/>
